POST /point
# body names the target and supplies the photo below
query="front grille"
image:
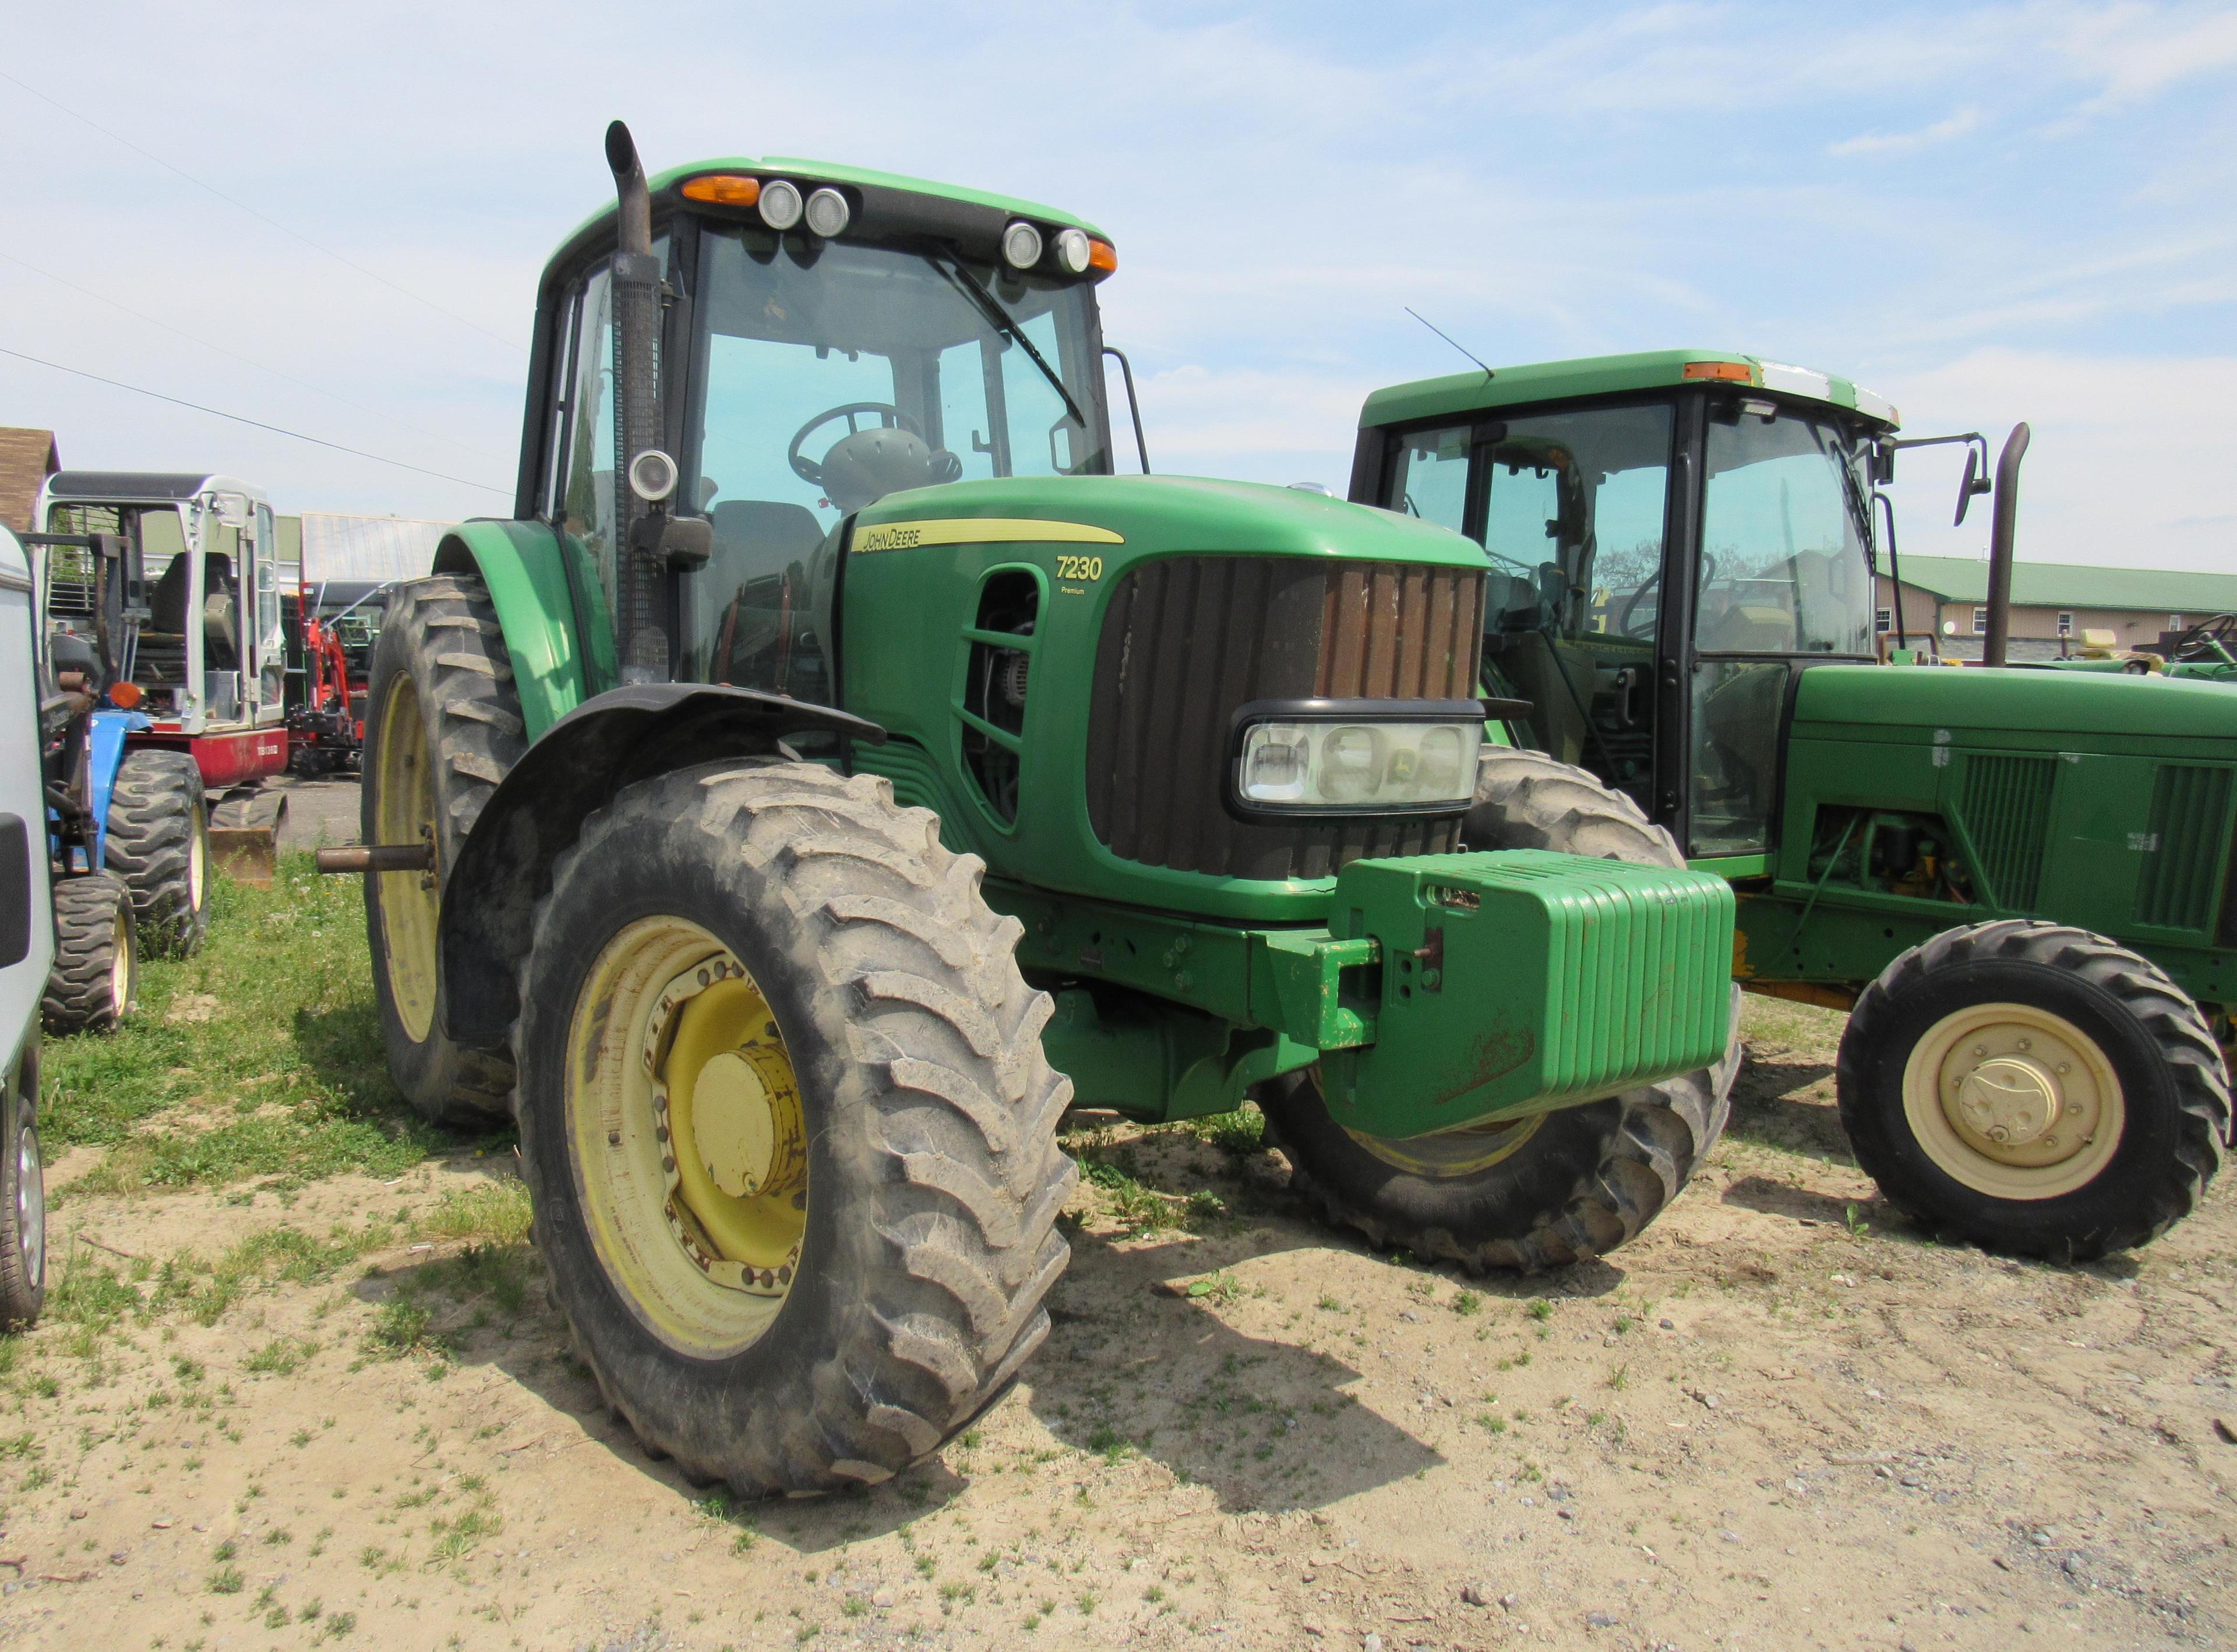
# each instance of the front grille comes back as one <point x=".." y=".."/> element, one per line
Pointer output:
<point x="2190" y="816"/>
<point x="1189" y="640"/>
<point x="2007" y="812"/>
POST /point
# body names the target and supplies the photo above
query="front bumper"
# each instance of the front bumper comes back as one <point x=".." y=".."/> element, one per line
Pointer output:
<point x="1444" y="991"/>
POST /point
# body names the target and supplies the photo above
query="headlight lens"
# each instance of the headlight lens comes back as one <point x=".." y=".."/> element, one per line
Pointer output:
<point x="1021" y="244"/>
<point x="828" y="213"/>
<point x="780" y="204"/>
<point x="1358" y="765"/>
<point x="1071" y="250"/>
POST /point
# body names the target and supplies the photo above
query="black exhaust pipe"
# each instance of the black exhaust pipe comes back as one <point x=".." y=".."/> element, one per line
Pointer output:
<point x="643" y="642"/>
<point x="2002" y="534"/>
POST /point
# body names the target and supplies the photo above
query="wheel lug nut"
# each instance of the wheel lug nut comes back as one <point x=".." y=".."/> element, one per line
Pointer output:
<point x="1980" y="1049"/>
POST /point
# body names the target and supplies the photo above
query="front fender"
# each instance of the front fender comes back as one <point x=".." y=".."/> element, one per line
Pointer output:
<point x="550" y="605"/>
<point x="604" y="745"/>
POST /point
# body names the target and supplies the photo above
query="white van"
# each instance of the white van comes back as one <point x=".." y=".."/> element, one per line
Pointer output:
<point x="27" y="945"/>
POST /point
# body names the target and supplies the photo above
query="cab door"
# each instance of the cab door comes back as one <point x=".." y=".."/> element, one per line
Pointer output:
<point x="266" y="665"/>
<point x="27" y="940"/>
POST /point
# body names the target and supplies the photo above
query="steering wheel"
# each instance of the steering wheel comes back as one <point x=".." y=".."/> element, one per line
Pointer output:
<point x="2207" y="639"/>
<point x="808" y="469"/>
<point x="1651" y="581"/>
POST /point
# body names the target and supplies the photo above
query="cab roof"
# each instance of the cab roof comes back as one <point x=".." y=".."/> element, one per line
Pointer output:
<point x="665" y="187"/>
<point x="1600" y="375"/>
<point x="143" y="486"/>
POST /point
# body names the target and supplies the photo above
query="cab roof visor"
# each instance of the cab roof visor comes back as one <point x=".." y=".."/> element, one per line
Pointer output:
<point x="973" y="230"/>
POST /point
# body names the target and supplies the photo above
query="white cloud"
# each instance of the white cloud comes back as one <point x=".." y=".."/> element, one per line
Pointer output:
<point x="1955" y="126"/>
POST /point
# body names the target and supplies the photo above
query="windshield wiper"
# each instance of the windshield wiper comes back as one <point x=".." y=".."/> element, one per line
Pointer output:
<point x="999" y="319"/>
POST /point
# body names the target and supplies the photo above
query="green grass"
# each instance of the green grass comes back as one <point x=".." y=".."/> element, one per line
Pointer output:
<point x="285" y="1079"/>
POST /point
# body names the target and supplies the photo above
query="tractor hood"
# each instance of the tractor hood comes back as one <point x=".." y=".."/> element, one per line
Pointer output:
<point x="2013" y="705"/>
<point x="1176" y="514"/>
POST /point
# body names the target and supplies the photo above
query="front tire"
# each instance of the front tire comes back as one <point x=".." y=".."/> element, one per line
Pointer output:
<point x="2035" y="1089"/>
<point x="444" y="728"/>
<point x="22" y="1197"/>
<point x="1545" y="1191"/>
<point x="97" y="970"/>
<point x="158" y="842"/>
<point x="786" y="1125"/>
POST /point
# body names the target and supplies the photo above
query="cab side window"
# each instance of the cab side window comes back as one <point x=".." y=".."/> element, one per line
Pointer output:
<point x="1428" y="475"/>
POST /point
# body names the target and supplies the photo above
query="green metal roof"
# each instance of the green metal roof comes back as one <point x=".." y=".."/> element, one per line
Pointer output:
<point x="1600" y="375"/>
<point x="2069" y="584"/>
<point x="812" y="172"/>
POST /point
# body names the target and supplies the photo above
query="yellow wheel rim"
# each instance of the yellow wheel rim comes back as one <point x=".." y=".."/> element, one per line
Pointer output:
<point x="1453" y="1153"/>
<point x="197" y="860"/>
<point x="689" y="1142"/>
<point x="404" y="787"/>
<point x="2014" y="1102"/>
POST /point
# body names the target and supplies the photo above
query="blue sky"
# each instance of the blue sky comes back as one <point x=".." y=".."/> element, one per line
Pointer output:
<point x="1985" y="214"/>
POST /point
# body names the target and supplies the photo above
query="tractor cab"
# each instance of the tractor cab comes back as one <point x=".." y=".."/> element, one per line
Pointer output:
<point x="207" y="658"/>
<point x="829" y="336"/>
<point x="1672" y="536"/>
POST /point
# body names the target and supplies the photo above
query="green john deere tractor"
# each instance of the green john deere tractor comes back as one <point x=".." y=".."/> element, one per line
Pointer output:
<point x="832" y="773"/>
<point x="2020" y="883"/>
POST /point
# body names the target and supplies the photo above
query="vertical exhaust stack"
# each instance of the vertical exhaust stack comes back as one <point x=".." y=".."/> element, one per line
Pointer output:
<point x="2002" y="532"/>
<point x="643" y="642"/>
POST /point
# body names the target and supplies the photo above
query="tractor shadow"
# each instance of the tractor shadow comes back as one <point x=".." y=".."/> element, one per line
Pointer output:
<point x="1134" y="1367"/>
<point x="1788" y="1105"/>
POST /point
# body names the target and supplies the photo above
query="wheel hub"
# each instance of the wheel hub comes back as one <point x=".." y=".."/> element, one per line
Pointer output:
<point x="2009" y="1099"/>
<point x="734" y="1139"/>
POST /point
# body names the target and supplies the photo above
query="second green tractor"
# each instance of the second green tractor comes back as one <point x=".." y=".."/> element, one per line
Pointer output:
<point x="833" y="772"/>
<point x="2023" y="883"/>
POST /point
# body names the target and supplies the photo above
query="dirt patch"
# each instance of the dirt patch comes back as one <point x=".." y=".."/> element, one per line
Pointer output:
<point x="1778" y="1420"/>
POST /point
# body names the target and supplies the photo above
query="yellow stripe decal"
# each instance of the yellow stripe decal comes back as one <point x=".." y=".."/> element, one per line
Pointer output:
<point x="980" y="530"/>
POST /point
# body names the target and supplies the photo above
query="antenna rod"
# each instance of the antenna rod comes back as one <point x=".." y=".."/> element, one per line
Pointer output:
<point x="1450" y="340"/>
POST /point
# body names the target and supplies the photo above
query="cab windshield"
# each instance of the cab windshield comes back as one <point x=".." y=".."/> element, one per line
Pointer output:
<point x="835" y="375"/>
<point x="1783" y="567"/>
<point x="825" y="376"/>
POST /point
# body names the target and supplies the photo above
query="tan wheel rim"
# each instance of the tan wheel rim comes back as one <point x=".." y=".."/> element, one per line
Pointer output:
<point x="2014" y="1102"/>
<point x="411" y="902"/>
<point x="689" y="1139"/>
<point x="197" y="860"/>
<point x="122" y="967"/>
<point x="1452" y="1154"/>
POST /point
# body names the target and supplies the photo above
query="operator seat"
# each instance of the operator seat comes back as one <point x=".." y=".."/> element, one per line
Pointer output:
<point x="168" y="607"/>
<point x="762" y="548"/>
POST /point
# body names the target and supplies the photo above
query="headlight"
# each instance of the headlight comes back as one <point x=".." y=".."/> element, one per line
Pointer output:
<point x="1355" y="757"/>
<point x="828" y="213"/>
<point x="780" y="204"/>
<point x="1021" y="244"/>
<point x="1071" y="250"/>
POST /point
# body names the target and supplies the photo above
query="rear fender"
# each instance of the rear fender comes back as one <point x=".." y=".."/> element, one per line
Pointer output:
<point x="612" y="741"/>
<point x="551" y="605"/>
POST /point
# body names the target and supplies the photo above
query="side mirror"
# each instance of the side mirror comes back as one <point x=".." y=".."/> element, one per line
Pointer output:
<point x="684" y="542"/>
<point x="1883" y="463"/>
<point x="1975" y="481"/>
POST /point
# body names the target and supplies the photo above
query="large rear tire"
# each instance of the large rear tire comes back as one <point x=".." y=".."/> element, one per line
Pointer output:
<point x="97" y="970"/>
<point x="158" y="842"/>
<point x="22" y="1196"/>
<point x="787" y="1126"/>
<point x="1541" y="1192"/>
<point x="2033" y="1088"/>
<point x="443" y="729"/>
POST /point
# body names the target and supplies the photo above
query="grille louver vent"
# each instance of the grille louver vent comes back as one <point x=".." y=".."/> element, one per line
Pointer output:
<point x="1188" y="640"/>
<point x="2007" y="810"/>
<point x="2190" y="811"/>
